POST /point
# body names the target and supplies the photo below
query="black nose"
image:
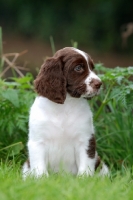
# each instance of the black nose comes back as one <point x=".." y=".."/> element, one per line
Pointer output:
<point x="96" y="83"/>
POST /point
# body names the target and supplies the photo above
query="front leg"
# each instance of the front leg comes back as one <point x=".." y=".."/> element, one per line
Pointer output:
<point x="37" y="157"/>
<point x="85" y="157"/>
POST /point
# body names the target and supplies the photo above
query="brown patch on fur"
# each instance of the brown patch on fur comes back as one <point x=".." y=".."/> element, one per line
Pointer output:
<point x="91" y="147"/>
<point x="51" y="82"/>
<point x="98" y="161"/>
<point x="91" y="64"/>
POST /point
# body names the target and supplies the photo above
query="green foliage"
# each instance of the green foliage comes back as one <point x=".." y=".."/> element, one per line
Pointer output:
<point x="113" y="117"/>
<point x="118" y="86"/>
<point x="16" y="98"/>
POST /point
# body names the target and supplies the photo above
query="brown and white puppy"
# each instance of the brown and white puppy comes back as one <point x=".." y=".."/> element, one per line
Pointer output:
<point x="61" y="131"/>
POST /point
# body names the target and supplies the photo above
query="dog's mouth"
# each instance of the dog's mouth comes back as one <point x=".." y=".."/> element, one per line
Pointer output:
<point x="91" y="95"/>
<point x="88" y="98"/>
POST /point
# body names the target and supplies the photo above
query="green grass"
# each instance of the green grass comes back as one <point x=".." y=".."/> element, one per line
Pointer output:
<point x="63" y="186"/>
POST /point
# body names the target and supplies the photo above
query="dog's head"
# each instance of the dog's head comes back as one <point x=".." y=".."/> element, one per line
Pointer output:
<point x="69" y="70"/>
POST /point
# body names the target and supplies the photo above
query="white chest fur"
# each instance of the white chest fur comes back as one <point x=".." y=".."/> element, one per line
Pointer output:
<point x="69" y="120"/>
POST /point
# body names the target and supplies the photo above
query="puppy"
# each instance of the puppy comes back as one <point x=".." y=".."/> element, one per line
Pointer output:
<point x="61" y="131"/>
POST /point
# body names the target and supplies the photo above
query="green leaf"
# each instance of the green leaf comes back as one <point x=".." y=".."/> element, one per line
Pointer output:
<point x="131" y="86"/>
<point x="11" y="95"/>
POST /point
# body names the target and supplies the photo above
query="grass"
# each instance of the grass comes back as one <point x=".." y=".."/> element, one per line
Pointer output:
<point x="62" y="187"/>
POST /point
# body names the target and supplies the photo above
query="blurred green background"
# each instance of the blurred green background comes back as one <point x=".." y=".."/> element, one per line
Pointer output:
<point x="104" y="28"/>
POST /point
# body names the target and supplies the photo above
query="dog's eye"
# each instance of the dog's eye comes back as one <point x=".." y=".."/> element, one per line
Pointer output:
<point x="78" y="68"/>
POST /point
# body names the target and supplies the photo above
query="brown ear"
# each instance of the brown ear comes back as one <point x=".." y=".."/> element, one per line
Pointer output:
<point x="91" y="64"/>
<point x="51" y="82"/>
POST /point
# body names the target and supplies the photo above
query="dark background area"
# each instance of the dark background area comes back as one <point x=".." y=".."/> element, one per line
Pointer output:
<point x="97" y="26"/>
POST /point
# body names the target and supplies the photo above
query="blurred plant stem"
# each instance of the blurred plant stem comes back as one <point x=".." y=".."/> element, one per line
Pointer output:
<point x="74" y="44"/>
<point x="52" y="45"/>
<point x="1" y="51"/>
<point x="104" y="102"/>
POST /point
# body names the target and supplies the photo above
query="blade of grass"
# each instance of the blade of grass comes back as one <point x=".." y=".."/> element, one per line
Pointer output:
<point x="12" y="145"/>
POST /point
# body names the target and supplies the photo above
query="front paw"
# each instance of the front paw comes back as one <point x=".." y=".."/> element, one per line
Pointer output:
<point x="39" y="173"/>
<point x="85" y="172"/>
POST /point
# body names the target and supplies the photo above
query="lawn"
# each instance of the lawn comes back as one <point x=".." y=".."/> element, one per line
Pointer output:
<point x="63" y="186"/>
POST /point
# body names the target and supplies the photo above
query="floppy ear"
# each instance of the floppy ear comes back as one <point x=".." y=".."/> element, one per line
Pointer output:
<point x="51" y="82"/>
<point x="91" y="64"/>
